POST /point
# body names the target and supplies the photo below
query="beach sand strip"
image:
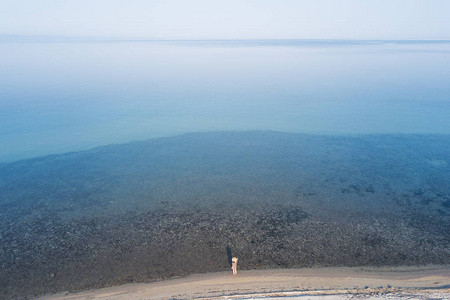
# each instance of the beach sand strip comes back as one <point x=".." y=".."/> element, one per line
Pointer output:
<point x="426" y="282"/>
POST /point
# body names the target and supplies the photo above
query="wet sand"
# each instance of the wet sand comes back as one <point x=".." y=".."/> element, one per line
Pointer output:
<point x="424" y="282"/>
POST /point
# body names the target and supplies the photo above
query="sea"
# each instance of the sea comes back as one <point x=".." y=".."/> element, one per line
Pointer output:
<point x="125" y="161"/>
<point x="63" y="95"/>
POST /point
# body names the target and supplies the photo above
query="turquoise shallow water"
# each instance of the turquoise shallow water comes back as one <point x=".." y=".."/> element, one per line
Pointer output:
<point x="62" y="96"/>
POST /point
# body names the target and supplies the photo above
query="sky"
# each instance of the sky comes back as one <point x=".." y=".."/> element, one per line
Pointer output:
<point x="229" y="19"/>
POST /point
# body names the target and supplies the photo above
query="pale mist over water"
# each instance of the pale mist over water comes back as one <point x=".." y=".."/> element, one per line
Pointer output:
<point x="62" y="96"/>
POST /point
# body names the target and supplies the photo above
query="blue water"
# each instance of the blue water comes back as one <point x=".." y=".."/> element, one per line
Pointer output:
<point x="61" y="96"/>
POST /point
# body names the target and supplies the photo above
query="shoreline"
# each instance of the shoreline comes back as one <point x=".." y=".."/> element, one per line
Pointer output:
<point x="170" y="207"/>
<point x="325" y="283"/>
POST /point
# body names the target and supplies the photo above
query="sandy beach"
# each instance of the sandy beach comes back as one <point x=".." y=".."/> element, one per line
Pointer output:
<point x="427" y="282"/>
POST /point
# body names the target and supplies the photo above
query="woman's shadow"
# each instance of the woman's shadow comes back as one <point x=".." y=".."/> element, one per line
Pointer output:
<point x="230" y="256"/>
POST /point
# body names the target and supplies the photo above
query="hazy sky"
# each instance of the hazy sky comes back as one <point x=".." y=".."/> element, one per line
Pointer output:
<point x="228" y="19"/>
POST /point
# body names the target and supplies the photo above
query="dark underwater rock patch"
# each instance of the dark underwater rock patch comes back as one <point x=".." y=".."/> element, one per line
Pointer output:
<point x="169" y="207"/>
<point x="51" y="254"/>
<point x="446" y="204"/>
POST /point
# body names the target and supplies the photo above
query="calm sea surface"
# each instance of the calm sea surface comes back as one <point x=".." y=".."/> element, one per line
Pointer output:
<point x="66" y="96"/>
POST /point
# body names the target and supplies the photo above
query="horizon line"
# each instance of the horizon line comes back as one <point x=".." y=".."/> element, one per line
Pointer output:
<point x="131" y="39"/>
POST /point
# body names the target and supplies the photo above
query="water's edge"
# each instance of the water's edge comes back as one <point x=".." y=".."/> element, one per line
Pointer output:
<point x="169" y="207"/>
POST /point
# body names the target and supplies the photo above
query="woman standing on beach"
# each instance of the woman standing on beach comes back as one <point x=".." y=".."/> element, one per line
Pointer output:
<point x="234" y="261"/>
